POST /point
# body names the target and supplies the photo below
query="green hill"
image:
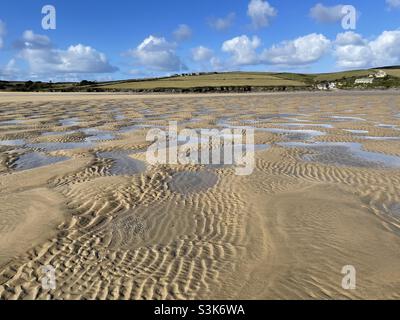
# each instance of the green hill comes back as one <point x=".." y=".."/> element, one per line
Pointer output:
<point x="216" y="82"/>
<point x="234" y="79"/>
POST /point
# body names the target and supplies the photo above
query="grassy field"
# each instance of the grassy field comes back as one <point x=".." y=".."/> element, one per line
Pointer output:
<point x="341" y="75"/>
<point x="219" y="81"/>
<point x="394" y="72"/>
<point x="30" y="86"/>
<point x="209" y="80"/>
<point x="243" y="79"/>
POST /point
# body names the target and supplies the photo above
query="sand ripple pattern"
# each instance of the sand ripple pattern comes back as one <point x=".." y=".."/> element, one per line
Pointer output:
<point x="127" y="241"/>
<point x="171" y="232"/>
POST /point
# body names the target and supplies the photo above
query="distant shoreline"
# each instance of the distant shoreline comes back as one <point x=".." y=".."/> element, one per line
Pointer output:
<point x="52" y="96"/>
<point x="224" y="83"/>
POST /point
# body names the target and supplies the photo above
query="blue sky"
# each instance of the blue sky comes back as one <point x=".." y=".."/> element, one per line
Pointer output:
<point x="120" y="39"/>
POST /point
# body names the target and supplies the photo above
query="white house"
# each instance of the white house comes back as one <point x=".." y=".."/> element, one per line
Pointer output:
<point x="381" y="74"/>
<point x="327" y="86"/>
<point x="364" y="81"/>
<point x="332" y="86"/>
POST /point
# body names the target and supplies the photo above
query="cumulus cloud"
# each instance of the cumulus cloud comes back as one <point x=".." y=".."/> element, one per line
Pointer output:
<point x="242" y="50"/>
<point x="221" y="24"/>
<point x="43" y="58"/>
<point x="301" y="51"/>
<point x="386" y="48"/>
<point x="393" y="4"/>
<point x="201" y="54"/>
<point x="157" y="54"/>
<point x="260" y="13"/>
<point x="2" y="33"/>
<point x="183" y="32"/>
<point x="324" y="14"/>
<point x="9" y="70"/>
<point x="206" y="58"/>
<point x="353" y="51"/>
<point x="31" y="40"/>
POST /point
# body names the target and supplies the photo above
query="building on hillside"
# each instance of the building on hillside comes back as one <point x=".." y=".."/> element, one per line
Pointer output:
<point x="327" y="86"/>
<point x="364" y="81"/>
<point x="332" y="85"/>
<point x="380" y="74"/>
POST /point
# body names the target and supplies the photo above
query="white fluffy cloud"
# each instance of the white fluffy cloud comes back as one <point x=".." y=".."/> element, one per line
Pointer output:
<point x="157" y="54"/>
<point x="393" y="4"/>
<point x="2" y="33"/>
<point x="201" y="54"/>
<point x="42" y="58"/>
<point x="183" y="32"/>
<point x="221" y="24"/>
<point x="243" y="50"/>
<point x="386" y="48"/>
<point x="9" y="70"/>
<point x="301" y="51"/>
<point x="206" y="58"/>
<point x="260" y="13"/>
<point x="31" y="40"/>
<point x="324" y="14"/>
<point x="353" y="51"/>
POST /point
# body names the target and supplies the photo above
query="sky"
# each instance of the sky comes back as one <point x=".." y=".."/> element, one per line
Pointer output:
<point x="123" y="39"/>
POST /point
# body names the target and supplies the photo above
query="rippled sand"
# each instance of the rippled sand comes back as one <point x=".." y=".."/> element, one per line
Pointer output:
<point x="77" y="194"/>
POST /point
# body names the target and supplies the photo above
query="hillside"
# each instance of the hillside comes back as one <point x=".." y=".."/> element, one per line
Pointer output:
<point x="234" y="79"/>
<point x="217" y="82"/>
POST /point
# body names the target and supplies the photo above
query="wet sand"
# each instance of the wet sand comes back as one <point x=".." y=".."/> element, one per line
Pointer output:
<point x="77" y="194"/>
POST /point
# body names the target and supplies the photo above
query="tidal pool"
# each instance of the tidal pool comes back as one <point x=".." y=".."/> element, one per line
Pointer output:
<point x="345" y="154"/>
<point x="58" y="146"/>
<point x="17" y="142"/>
<point x="343" y="118"/>
<point x="356" y="131"/>
<point x="33" y="160"/>
<point x="69" y="122"/>
<point x="321" y="125"/>
<point x="306" y="135"/>
<point x="11" y="122"/>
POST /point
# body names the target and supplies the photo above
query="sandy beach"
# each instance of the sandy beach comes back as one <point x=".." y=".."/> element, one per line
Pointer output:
<point x="77" y="194"/>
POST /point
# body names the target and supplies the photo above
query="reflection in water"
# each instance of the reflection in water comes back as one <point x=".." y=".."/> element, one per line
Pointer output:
<point x="345" y="119"/>
<point x="58" y="146"/>
<point x="356" y="131"/>
<point x="69" y="122"/>
<point x="34" y="160"/>
<point x="345" y="154"/>
<point x="11" y="122"/>
<point x="17" y="142"/>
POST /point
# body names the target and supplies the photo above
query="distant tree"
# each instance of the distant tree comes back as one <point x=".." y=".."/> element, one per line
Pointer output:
<point x="86" y="83"/>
